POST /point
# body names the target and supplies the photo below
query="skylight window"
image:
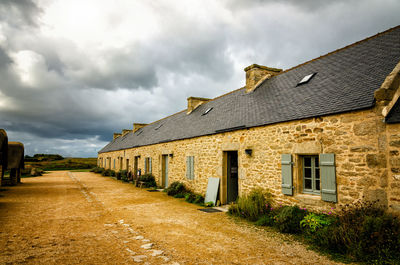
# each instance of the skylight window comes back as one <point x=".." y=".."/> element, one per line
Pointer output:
<point x="139" y="133"/>
<point x="158" y="127"/>
<point x="306" y="79"/>
<point x="207" y="111"/>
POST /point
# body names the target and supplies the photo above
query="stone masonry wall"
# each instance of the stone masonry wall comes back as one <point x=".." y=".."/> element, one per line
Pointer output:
<point x="360" y="141"/>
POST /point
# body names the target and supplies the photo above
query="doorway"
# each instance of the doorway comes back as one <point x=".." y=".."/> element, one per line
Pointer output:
<point x="232" y="175"/>
<point x="135" y="167"/>
<point x="164" y="171"/>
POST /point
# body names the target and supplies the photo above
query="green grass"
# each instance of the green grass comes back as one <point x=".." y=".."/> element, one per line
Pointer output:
<point x="64" y="164"/>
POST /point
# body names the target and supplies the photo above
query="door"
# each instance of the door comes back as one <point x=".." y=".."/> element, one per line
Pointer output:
<point x="232" y="176"/>
<point x="135" y="167"/>
<point x="165" y="171"/>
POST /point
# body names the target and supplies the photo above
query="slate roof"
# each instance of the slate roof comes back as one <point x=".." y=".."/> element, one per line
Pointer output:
<point x="345" y="81"/>
<point x="394" y="114"/>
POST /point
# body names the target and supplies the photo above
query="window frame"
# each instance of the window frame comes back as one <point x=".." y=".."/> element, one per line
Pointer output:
<point x="314" y="169"/>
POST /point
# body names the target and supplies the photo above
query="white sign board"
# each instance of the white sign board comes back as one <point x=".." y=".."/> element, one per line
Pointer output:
<point x="212" y="190"/>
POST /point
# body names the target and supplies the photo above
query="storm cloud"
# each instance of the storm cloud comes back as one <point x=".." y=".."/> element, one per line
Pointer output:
<point x="73" y="72"/>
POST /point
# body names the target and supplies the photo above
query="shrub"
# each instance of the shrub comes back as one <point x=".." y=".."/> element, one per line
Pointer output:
<point x="112" y="173"/>
<point x="312" y="222"/>
<point x="364" y="232"/>
<point x="251" y="206"/>
<point x="176" y="188"/>
<point x="106" y="172"/>
<point x="149" y="180"/>
<point x="266" y="220"/>
<point x="288" y="219"/>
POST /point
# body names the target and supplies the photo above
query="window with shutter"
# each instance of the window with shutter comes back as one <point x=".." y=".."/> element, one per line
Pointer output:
<point x="146" y="166"/>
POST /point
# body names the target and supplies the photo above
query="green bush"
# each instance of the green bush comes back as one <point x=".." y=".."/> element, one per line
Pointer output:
<point x="251" y="206"/>
<point x="266" y="220"/>
<point x="149" y="180"/>
<point x="312" y="222"/>
<point x="176" y="188"/>
<point x="364" y="232"/>
<point x="107" y="172"/>
<point x="288" y="219"/>
<point x="112" y="173"/>
<point x="97" y="170"/>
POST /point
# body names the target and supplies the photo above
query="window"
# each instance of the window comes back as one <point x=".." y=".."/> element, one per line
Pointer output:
<point x="114" y="164"/>
<point x="306" y="79"/>
<point x="317" y="175"/>
<point x="147" y="165"/>
<point x="311" y="175"/>
<point x="190" y="167"/>
<point x="207" y="111"/>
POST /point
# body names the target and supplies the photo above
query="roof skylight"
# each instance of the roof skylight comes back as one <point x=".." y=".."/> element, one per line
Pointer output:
<point x="306" y="79"/>
<point x="159" y="126"/>
<point x="207" y="111"/>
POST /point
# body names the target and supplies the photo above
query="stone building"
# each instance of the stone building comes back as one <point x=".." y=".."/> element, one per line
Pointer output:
<point x="321" y="134"/>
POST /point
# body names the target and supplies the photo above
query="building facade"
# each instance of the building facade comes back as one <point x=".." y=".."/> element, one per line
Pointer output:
<point x="321" y="134"/>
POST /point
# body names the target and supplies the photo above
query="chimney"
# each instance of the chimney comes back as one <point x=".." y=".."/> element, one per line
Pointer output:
<point x="116" y="135"/>
<point x="125" y="131"/>
<point x="137" y="126"/>
<point x="257" y="74"/>
<point x="194" y="102"/>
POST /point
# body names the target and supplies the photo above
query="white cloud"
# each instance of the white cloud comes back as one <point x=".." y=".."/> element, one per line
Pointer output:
<point x="76" y="70"/>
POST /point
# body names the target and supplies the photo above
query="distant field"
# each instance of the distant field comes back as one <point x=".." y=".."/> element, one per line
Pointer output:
<point x="64" y="164"/>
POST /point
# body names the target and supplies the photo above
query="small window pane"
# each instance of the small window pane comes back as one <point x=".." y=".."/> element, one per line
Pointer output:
<point x="316" y="161"/>
<point x="307" y="172"/>
<point x="307" y="161"/>
<point x="307" y="184"/>
<point x="317" y="173"/>
<point x="317" y="185"/>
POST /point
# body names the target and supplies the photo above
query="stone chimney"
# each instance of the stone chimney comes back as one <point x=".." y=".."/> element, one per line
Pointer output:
<point x="137" y="126"/>
<point x="257" y="74"/>
<point x="125" y="131"/>
<point x="194" y="102"/>
<point x="116" y="135"/>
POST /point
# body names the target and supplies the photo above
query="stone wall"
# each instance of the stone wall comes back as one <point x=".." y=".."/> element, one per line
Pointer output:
<point x="364" y="147"/>
<point x="393" y="181"/>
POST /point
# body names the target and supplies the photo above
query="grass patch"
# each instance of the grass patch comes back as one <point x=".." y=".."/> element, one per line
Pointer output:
<point x="64" y="164"/>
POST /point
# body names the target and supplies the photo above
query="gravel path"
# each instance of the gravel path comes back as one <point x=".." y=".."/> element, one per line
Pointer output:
<point x="84" y="218"/>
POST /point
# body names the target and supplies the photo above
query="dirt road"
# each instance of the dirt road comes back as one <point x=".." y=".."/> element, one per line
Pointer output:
<point x="84" y="218"/>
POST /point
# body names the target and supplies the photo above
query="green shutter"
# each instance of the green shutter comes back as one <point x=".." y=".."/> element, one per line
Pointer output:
<point x="188" y="167"/>
<point x="145" y="166"/>
<point x="192" y="168"/>
<point x="328" y="177"/>
<point x="150" y="168"/>
<point x="287" y="177"/>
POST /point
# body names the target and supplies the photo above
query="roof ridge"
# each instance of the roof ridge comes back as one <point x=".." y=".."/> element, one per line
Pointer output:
<point x="230" y="92"/>
<point x="341" y="49"/>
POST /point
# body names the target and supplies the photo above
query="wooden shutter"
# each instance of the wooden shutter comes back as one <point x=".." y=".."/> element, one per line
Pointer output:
<point x="328" y="177"/>
<point x="287" y="175"/>
<point x="145" y="166"/>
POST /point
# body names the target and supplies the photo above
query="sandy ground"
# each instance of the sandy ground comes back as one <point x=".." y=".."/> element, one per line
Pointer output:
<point x="84" y="218"/>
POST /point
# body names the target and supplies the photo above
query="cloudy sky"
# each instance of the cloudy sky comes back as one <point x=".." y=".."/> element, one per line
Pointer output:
<point x="72" y="72"/>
